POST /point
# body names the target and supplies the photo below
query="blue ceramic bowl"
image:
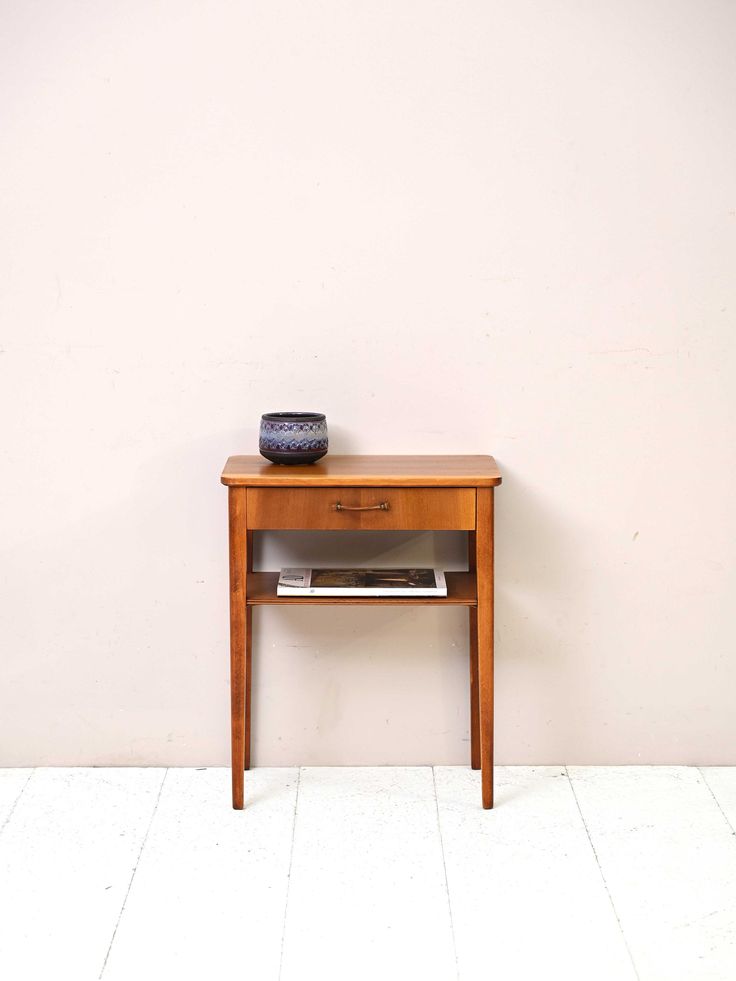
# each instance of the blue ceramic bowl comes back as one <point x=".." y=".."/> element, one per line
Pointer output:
<point x="293" y="437"/>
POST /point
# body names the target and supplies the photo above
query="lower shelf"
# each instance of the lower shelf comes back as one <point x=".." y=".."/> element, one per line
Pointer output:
<point x="461" y="591"/>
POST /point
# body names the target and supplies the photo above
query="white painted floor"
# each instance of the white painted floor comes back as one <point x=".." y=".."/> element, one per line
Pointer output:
<point x="601" y="873"/>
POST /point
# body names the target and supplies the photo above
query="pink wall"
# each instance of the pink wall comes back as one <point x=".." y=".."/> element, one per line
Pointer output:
<point x="499" y="228"/>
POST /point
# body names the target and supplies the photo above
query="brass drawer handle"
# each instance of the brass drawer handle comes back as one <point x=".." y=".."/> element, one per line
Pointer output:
<point x="383" y="506"/>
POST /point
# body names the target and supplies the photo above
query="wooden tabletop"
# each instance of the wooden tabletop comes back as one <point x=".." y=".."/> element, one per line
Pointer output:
<point x="362" y="471"/>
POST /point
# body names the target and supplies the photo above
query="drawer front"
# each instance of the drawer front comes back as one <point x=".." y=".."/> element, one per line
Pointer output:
<point x="389" y="508"/>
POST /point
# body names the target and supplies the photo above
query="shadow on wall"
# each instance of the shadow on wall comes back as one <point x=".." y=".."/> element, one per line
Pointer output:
<point x="541" y="620"/>
<point x="116" y="646"/>
<point x="117" y="614"/>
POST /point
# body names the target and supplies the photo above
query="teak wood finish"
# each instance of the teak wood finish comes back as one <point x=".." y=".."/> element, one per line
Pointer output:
<point x="366" y="471"/>
<point x="361" y="509"/>
<point x="364" y="493"/>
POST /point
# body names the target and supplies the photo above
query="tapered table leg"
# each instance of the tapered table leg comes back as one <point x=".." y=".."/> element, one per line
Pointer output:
<point x="474" y="691"/>
<point x="473" y="652"/>
<point x="238" y="631"/>
<point x="484" y="617"/>
<point x="248" y="654"/>
<point x="248" y="686"/>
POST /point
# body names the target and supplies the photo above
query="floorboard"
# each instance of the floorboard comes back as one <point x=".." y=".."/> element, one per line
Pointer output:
<point x="721" y="781"/>
<point x="66" y="858"/>
<point x="209" y="893"/>
<point x="528" y="900"/>
<point x="367" y="895"/>
<point x="12" y="785"/>
<point x="669" y="860"/>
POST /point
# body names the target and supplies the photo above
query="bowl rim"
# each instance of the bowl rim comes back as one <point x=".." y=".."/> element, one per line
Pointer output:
<point x="296" y="416"/>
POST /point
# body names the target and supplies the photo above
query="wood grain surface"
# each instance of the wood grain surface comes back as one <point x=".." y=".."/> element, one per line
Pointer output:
<point x="484" y="620"/>
<point x="356" y="470"/>
<point x="239" y="640"/>
<point x="395" y="508"/>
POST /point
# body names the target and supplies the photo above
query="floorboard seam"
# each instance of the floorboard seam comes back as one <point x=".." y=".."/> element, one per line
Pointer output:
<point x="600" y="870"/>
<point x="15" y="802"/>
<point x="444" y="869"/>
<point x="288" y="875"/>
<point x="718" y="803"/>
<point x="132" y="876"/>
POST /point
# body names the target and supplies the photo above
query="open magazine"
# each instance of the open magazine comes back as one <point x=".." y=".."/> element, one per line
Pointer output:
<point x="361" y="582"/>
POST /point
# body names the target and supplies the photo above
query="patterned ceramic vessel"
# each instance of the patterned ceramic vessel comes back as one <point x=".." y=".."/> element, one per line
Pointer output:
<point x="293" y="437"/>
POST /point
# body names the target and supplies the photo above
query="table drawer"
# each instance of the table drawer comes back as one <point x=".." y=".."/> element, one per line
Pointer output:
<point x="389" y="508"/>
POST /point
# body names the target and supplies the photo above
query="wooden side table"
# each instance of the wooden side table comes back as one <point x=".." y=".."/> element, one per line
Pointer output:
<point x="376" y="493"/>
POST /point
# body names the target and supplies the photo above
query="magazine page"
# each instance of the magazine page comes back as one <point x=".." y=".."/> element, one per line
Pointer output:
<point x="295" y="577"/>
<point x="374" y="578"/>
<point x="362" y="582"/>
